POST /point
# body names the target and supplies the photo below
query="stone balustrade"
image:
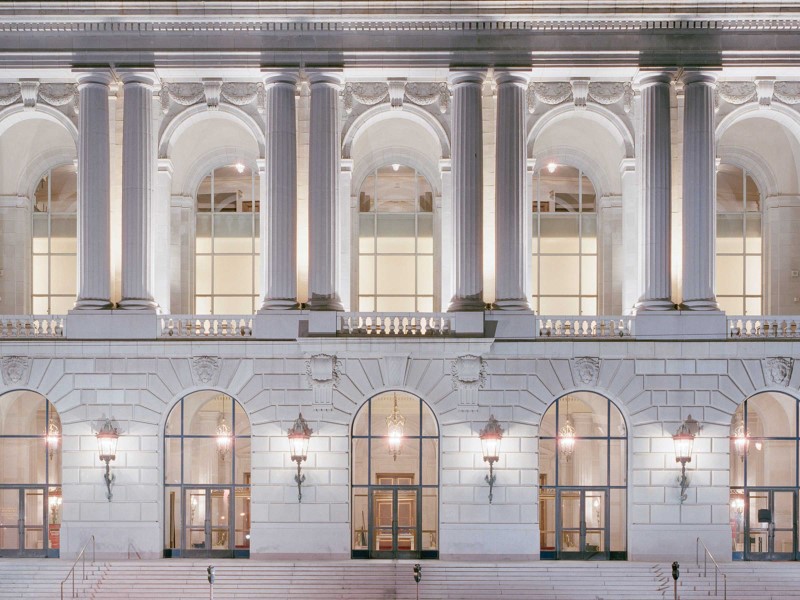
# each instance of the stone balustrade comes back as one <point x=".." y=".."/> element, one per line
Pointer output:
<point x="399" y="324"/>
<point x="754" y="327"/>
<point x="33" y="326"/>
<point x="567" y="326"/>
<point x="199" y="326"/>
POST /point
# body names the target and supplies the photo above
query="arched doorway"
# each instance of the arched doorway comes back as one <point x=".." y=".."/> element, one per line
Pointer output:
<point x="207" y="477"/>
<point x="583" y="479"/>
<point x="764" y="479"/>
<point x="30" y="475"/>
<point x="395" y="478"/>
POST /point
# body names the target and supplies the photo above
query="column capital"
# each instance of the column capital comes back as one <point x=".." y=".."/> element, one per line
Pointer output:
<point x="145" y="77"/>
<point x="94" y="76"/>
<point x="284" y="77"/>
<point x="466" y="77"/>
<point x="325" y="76"/>
<point x="648" y="78"/>
<point x="692" y="76"/>
<point x="511" y="77"/>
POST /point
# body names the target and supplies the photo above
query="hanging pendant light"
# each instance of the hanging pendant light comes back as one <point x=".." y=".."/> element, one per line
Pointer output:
<point x="566" y="437"/>
<point x="395" y="425"/>
<point x="224" y="438"/>
<point x="740" y="439"/>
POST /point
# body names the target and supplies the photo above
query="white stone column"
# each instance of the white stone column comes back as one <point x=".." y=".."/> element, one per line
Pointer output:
<point x="512" y="209"/>
<point x="654" y="186"/>
<point x="138" y="190"/>
<point x="162" y="228"/>
<point x="699" y="192"/>
<point x="323" y="191"/>
<point x="94" y="188"/>
<point x="279" y="216"/>
<point x="467" y="177"/>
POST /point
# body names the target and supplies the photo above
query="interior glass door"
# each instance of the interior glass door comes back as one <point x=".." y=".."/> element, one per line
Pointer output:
<point x="22" y="521"/>
<point x="582" y="516"/>
<point x="771" y="529"/>
<point x="395" y="523"/>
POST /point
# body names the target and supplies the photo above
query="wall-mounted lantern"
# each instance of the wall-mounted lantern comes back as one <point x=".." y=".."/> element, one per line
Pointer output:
<point x="299" y="434"/>
<point x="107" y="443"/>
<point x="491" y="436"/>
<point x="684" y="442"/>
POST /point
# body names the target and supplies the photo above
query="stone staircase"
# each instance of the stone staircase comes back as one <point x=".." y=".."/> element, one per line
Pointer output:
<point x="379" y="580"/>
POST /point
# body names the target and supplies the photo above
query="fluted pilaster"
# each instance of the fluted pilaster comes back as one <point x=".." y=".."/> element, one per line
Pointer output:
<point x="512" y="210"/>
<point x="94" y="186"/>
<point x="655" y="186"/>
<point x="323" y="190"/>
<point x="467" y="174"/>
<point x="699" y="192"/>
<point x="279" y="216"/>
<point x="138" y="191"/>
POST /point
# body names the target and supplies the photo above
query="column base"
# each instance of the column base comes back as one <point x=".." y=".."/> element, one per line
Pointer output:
<point x="709" y="304"/>
<point x="271" y="304"/>
<point x="512" y="304"/>
<point x="655" y="304"/>
<point x="470" y="303"/>
<point x="329" y="303"/>
<point x="92" y="304"/>
<point x="140" y="304"/>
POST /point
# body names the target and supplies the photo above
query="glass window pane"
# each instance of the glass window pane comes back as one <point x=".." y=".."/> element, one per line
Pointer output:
<point x="753" y="275"/>
<point x="730" y="275"/>
<point x="753" y="234"/>
<point x="172" y="460"/>
<point x="396" y="233"/>
<point x="366" y="274"/>
<point x="424" y="274"/>
<point x="203" y="412"/>
<point x="589" y="234"/>
<point x="771" y="414"/>
<point x="63" y="275"/>
<point x="730" y="231"/>
<point x="242" y="449"/>
<point x="587" y="464"/>
<point x="559" y="275"/>
<point x="366" y="233"/>
<point x="618" y="520"/>
<point x="558" y="305"/>
<point x="24" y="460"/>
<point x="752" y="306"/>
<point x="366" y="304"/>
<point x="589" y="275"/>
<point x="733" y="305"/>
<point x="41" y="275"/>
<point x="774" y="463"/>
<point x="360" y="460"/>
<point x="430" y="462"/>
<point x="396" y="304"/>
<point x="425" y="234"/>
<point x="359" y="518"/>
<point x="547" y="461"/>
<point x="233" y="275"/>
<point x="425" y="304"/>
<point x="430" y="519"/>
<point x="588" y="306"/>
<point x="619" y="470"/>
<point x="396" y="275"/>
<point x="559" y="234"/>
<point x="233" y="305"/>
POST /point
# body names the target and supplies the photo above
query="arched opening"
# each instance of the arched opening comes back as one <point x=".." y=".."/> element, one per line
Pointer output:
<point x="739" y="279"/>
<point x="395" y="478"/>
<point x="564" y="242"/>
<point x="207" y="477"/>
<point x="30" y="475"/>
<point x="396" y="242"/>
<point x="227" y="247"/>
<point x="583" y="470"/>
<point x="764" y="478"/>
<point x="55" y="241"/>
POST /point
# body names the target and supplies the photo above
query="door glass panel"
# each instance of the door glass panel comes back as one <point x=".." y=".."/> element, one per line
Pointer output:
<point x="360" y="510"/>
<point x="547" y="520"/>
<point x="430" y="518"/>
<point x="595" y="517"/>
<point x="242" y="518"/>
<point x="570" y="521"/>
<point x="9" y="519"/>
<point x="617" y="520"/>
<point x="760" y="516"/>
<point x="34" y="519"/>
<point x="383" y="515"/>
<point x="195" y="519"/>
<point x="54" y="503"/>
<point x="407" y="520"/>
<point x="783" y="519"/>
<point x="219" y="519"/>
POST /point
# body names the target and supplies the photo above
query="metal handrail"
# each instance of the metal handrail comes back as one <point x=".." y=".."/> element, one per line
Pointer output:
<point x="717" y="571"/>
<point x="135" y="551"/>
<point x="81" y="555"/>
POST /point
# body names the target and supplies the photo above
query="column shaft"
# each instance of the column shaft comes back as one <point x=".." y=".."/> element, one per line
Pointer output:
<point x="655" y="187"/>
<point x="323" y="191"/>
<point x="512" y="210"/>
<point x="138" y="191"/>
<point x="467" y="174"/>
<point x="279" y="216"/>
<point x="699" y="193"/>
<point x="94" y="188"/>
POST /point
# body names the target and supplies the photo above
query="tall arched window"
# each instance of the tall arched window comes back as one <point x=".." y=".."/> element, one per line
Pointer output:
<point x="739" y="287"/>
<point x="207" y="477"/>
<point x="30" y="475"/>
<point x="395" y="479"/>
<point x="395" y="242"/>
<point x="583" y="479"/>
<point x="764" y="479"/>
<point x="227" y="279"/>
<point x="55" y="242"/>
<point x="564" y="245"/>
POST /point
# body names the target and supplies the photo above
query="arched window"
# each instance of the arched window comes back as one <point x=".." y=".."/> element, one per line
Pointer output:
<point x="395" y="242"/>
<point x="395" y="479"/>
<point x="739" y="287"/>
<point x="764" y="479"/>
<point x="227" y="279"/>
<point x="207" y="477"/>
<point x="564" y="245"/>
<point x="583" y="479"/>
<point x="30" y="475"/>
<point x="55" y="242"/>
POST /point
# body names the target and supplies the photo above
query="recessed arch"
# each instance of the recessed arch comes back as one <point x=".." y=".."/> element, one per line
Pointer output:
<point x="394" y="441"/>
<point x="382" y="112"/>
<point x="575" y="157"/>
<point x="199" y="113"/>
<point x="17" y="113"/>
<point x="612" y="123"/>
<point x="213" y="159"/>
<point x="754" y="164"/>
<point x="40" y="165"/>
<point x="583" y="478"/>
<point x="207" y="476"/>
<point x="403" y="156"/>
<point x="777" y="112"/>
